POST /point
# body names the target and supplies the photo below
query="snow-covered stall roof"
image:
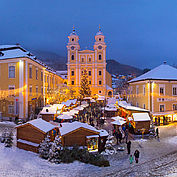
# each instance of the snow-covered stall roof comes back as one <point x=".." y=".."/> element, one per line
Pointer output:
<point x="69" y="102"/>
<point x="117" y="118"/>
<point x="101" y="98"/>
<point x="58" y="106"/>
<point x="112" y="100"/>
<point x="103" y="132"/>
<point x="69" y="127"/>
<point x="40" y="124"/>
<point x="48" y="110"/>
<point x="118" y="122"/>
<point x="141" y="117"/>
<point x="162" y="72"/>
<point x="80" y="108"/>
<point x="65" y="116"/>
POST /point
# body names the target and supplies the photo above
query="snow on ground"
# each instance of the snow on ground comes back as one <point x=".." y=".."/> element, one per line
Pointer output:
<point x="157" y="157"/>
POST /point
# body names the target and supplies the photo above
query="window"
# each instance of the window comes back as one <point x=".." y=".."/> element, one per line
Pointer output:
<point x="30" y="90"/>
<point x="36" y="90"/>
<point x="99" y="39"/>
<point x="99" y="57"/>
<point x="90" y="73"/>
<point x="162" y="108"/>
<point x="174" y="90"/>
<point x="161" y="90"/>
<point x="82" y="59"/>
<point x="11" y="109"/>
<point x="90" y="59"/>
<point x="144" y="106"/>
<point x="99" y="91"/>
<point x="144" y="90"/>
<point x="72" y="39"/>
<point x="99" y="82"/>
<point x="72" y="57"/>
<point x="30" y="71"/>
<point x="11" y="71"/>
<point x="36" y="73"/>
<point x="41" y="76"/>
<point x="90" y="82"/>
<point x="72" y="73"/>
<point x="174" y="106"/>
<point x="72" y="82"/>
<point x="11" y="90"/>
<point x="137" y="89"/>
<point x="99" y="73"/>
<point x="137" y="104"/>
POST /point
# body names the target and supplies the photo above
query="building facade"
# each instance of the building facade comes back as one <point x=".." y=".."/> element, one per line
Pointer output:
<point x="94" y="61"/>
<point x="26" y="82"/>
<point x="156" y="91"/>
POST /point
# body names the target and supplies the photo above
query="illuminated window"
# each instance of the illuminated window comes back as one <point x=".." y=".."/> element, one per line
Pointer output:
<point x="161" y="89"/>
<point x="174" y="106"/>
<point x="11" y="71"/>
<point x="162" y="108"/>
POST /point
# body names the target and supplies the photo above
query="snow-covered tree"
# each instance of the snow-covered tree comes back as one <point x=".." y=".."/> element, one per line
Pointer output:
<point x="85" y="88"/>
<point x="8" y="139"/>
<point x="54" y="153"/>
<point x="109" y="149"/>
<point x="4" y="135"/>
<point x="44" y="147"/>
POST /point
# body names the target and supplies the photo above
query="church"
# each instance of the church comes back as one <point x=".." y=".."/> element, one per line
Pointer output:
<point x="94" y="61"/>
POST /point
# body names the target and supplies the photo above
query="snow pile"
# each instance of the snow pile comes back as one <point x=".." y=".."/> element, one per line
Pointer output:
<point x="172" y="140"/>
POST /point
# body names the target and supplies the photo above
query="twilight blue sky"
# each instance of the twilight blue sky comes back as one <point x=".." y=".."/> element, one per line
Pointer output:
<point x="142" y="33"/>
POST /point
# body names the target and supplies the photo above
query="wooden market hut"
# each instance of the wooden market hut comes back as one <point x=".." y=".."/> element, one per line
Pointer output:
<point x="49" y="113"/>
<point x="82" y="134"/>
<point x="141" y="122"/>
<point x="110" y="110"/>
<point x="32" y="133"/>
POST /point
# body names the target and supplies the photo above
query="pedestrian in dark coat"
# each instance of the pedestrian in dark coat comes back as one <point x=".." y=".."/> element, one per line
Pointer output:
<point x="157" y="132"/>
<point x="120" y="137"/>
<point x="129" y="146"/>
<point x="117" y="136"/>
<point x="136" y="154"/>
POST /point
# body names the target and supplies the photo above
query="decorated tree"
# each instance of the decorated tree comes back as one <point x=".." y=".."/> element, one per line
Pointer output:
<point x="54" y="153"/>
<point x="85" y="88"/>
<point x="44" y="148"/>
<point x="9" y="139"/>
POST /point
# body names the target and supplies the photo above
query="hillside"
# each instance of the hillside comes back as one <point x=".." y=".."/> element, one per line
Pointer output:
<point x="115" y="67"/>
<point x="59" y="63"/>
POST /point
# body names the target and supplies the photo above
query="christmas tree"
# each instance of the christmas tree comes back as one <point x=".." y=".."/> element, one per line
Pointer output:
<point x="8" y="139"/>
<point x="54" y="153"/>
<point x="85" y="88"/>
<point x="44" y="148"/>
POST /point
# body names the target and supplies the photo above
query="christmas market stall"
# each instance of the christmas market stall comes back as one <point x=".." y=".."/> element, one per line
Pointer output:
<point x="110" y="110"/>
<point x="81" y="134"/>
<point x="141" y="122"/>
<point x="49" y="112"/>
<point x="32" y="133"/>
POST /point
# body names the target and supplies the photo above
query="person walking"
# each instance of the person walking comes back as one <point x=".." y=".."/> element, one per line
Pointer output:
<point x="131" y="159"/>
<point x="117" y="136"/>
<point x="120" y="137"/>
<point x="136" y="154"/>
<point x="157" y="132"/>
<point x="126" y="135"/>
<point x="129" y="146"/>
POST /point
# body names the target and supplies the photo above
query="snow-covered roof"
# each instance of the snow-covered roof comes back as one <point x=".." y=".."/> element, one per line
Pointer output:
<point x="132" y="108"/>
<point x="118" y="122"/>
<point x="69" y="102"/>
<point x="117" y="118"/>
<point x="28" y="142"/>
<point x="40" y="124"/>
<point x="162" y="72"/>
<point x="112" y="100"/>
<point x="80" y="108"/>
<point x="65" y="116"/>
<point x="141" y="117"/>
<point x="100" y="98"/>
<point x="103" y="132"/>
<point x="69" y="127"/>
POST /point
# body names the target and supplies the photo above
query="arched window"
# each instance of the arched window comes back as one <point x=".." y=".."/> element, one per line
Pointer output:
<point x="72" y="57"/>
<point x="99" y="57"/>
<point x="99" y="39"/>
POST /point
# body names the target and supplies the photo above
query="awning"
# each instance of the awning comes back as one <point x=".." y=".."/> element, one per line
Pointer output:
<point x="118" y="122"/>
<point x="141" y="117"/>
<point x="118" y="118"/>
<point x="92" y="136"/>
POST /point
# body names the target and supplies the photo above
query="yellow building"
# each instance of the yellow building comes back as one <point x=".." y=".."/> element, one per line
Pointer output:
<point x="26" y="82"/>
<point x="94" y="61"/>
<point x="156" y="91"/>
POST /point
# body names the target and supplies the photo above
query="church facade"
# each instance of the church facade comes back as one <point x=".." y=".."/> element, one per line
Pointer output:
<point x="94" y="61"/>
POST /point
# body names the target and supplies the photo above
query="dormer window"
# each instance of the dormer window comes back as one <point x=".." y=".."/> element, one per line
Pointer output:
<point x="99" y="57"/>
<point x="72" y="57"/>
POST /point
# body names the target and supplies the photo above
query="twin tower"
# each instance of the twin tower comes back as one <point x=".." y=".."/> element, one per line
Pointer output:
<point x="94" y="61"/>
